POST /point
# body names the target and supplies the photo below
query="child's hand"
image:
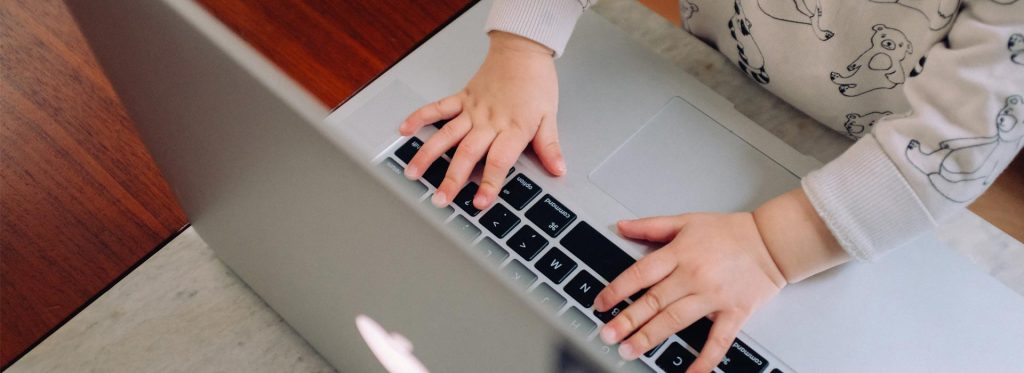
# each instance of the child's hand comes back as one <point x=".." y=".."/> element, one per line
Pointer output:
<point x="510" y="101"/>
<point x="713" y="264"/>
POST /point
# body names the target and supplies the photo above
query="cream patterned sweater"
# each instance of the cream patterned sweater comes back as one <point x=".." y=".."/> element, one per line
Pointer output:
<point x="930" y="89"/>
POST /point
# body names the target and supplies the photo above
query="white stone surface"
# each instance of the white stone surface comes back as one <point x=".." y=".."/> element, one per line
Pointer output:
<point x="183" y="310"/>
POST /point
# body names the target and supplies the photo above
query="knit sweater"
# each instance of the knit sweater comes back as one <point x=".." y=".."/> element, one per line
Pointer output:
<point x="931" y="90"/>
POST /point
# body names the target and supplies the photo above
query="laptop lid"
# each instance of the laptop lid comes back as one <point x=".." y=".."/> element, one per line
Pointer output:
<point x="323" y="240"/>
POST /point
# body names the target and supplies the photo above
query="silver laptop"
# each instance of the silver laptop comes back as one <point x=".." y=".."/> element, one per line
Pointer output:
<point x="309" y="208"/>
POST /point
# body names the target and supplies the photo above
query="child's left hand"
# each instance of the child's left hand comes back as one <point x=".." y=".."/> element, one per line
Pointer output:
<point x="713" y="265"/>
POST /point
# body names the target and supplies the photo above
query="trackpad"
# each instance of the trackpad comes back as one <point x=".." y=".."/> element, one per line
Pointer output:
<point x="684" y="161"/>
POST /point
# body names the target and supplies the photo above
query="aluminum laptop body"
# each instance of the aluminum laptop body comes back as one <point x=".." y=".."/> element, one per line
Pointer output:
<point x="301" y="204"/>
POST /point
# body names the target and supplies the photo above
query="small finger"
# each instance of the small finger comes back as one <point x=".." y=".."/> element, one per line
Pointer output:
<point x="654" y="229"/>
<point x="506" y="148"/>
<point x="470" y="151"/>
<point x="547" y="147"/>
<point x="670" y="320"/>
<point x="723" y="332"/>
<point x="440" y="142"/>
<point x="445" y="108"/>
<point x="643" y="274"/>
<point x="642" y="311"/>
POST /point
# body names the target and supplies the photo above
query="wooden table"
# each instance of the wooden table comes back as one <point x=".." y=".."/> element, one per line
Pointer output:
<point x="81" y="202"/>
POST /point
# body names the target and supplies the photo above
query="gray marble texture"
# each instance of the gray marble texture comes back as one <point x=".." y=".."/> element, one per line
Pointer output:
<point x="183" y="310"/>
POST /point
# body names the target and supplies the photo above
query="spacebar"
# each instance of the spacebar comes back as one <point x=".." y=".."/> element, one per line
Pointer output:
<point x="597" y="251"/>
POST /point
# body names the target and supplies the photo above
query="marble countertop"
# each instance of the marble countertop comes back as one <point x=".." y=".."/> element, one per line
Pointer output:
<point x="184" y="310"/>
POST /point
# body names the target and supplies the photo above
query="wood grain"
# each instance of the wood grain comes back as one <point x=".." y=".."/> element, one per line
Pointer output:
<point x="1003" y="203"/>
<point x="668" y="9"/>
<point x="80" y="199"/>
<point x="334" y="47"/>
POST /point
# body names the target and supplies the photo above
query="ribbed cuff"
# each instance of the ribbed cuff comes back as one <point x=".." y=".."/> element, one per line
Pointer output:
<point x="866" y="202"/>
<point x="549" y="23"/>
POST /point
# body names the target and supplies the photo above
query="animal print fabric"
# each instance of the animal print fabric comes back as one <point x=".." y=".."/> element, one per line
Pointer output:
<point x="934" y="87"/>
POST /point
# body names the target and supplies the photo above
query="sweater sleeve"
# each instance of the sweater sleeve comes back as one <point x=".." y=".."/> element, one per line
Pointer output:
<point x="965" y="126"/>
<point x="548" y="22"/>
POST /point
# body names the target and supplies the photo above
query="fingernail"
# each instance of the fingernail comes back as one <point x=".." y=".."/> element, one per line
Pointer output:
<point x="608" y="335"/>
<point x="411" y="172"/>
<point x="599" y="304"/>
<point x="480" y="201"/>
<point x="439" y="199"/>
<point x="560" y="166"/>
<point x="626" y="352"/>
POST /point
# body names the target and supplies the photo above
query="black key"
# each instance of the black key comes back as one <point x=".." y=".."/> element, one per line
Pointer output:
<point x="550" y="215"/>
<point x="676" y="358"/>
<point x="527" y="242"/>
<point x="451" y="152"/>
<point x="555" y="265"/>
<point x="607" y="316"/>
<point x="696" y="334"/>
<point x="742" y="359"/>
<point x="654" y="350"/>
<point x="499" y="220"/>
<point x="636" y="297"/>
<point x="519" y="191"/>
<point x="440" y="123"/>
<point x="465" y="199"/>
<point x="510" y="171"/>
<point x="584" y="288"/>
<point x="597" y="251"/>
<point x="409" y="149"/>
<point x="435" y="173"/>
<point x="776" y="370"/>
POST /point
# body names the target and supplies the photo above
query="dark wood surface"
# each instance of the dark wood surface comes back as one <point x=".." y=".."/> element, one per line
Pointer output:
<point x="334" y="47"/>
<point x="80" y="199"/>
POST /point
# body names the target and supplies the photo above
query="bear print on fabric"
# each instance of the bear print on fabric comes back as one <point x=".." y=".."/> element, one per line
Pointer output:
<point x="1016" y="47"/>
<point x="878" y="67"/>
<point x="797" y="11"/>
<point x="751" y="61"/>
<point x="688" y="8"/>
<point x="858" y="124"/>
<point x="938" y="12"/>
<point x="961" y="169"/>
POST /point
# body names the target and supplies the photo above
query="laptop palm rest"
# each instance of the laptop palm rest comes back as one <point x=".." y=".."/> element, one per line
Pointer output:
<point x="684" y="161"/>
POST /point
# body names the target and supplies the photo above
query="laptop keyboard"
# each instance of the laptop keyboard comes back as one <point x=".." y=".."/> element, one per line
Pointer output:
<point x="539" y="244"/>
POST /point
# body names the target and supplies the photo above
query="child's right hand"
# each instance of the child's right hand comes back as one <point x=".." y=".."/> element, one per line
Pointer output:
<point x="511" y="100"/>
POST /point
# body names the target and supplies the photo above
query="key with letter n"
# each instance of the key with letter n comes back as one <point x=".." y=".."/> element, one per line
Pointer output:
<point x="584" y="288"/>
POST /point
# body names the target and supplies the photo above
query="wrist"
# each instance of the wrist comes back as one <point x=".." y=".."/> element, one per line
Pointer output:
<point x="508" y="43"/>
<point x="796" y="238"/>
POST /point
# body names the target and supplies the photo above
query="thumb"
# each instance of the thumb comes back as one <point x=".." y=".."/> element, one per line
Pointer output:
<point x="546" y="145"/>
